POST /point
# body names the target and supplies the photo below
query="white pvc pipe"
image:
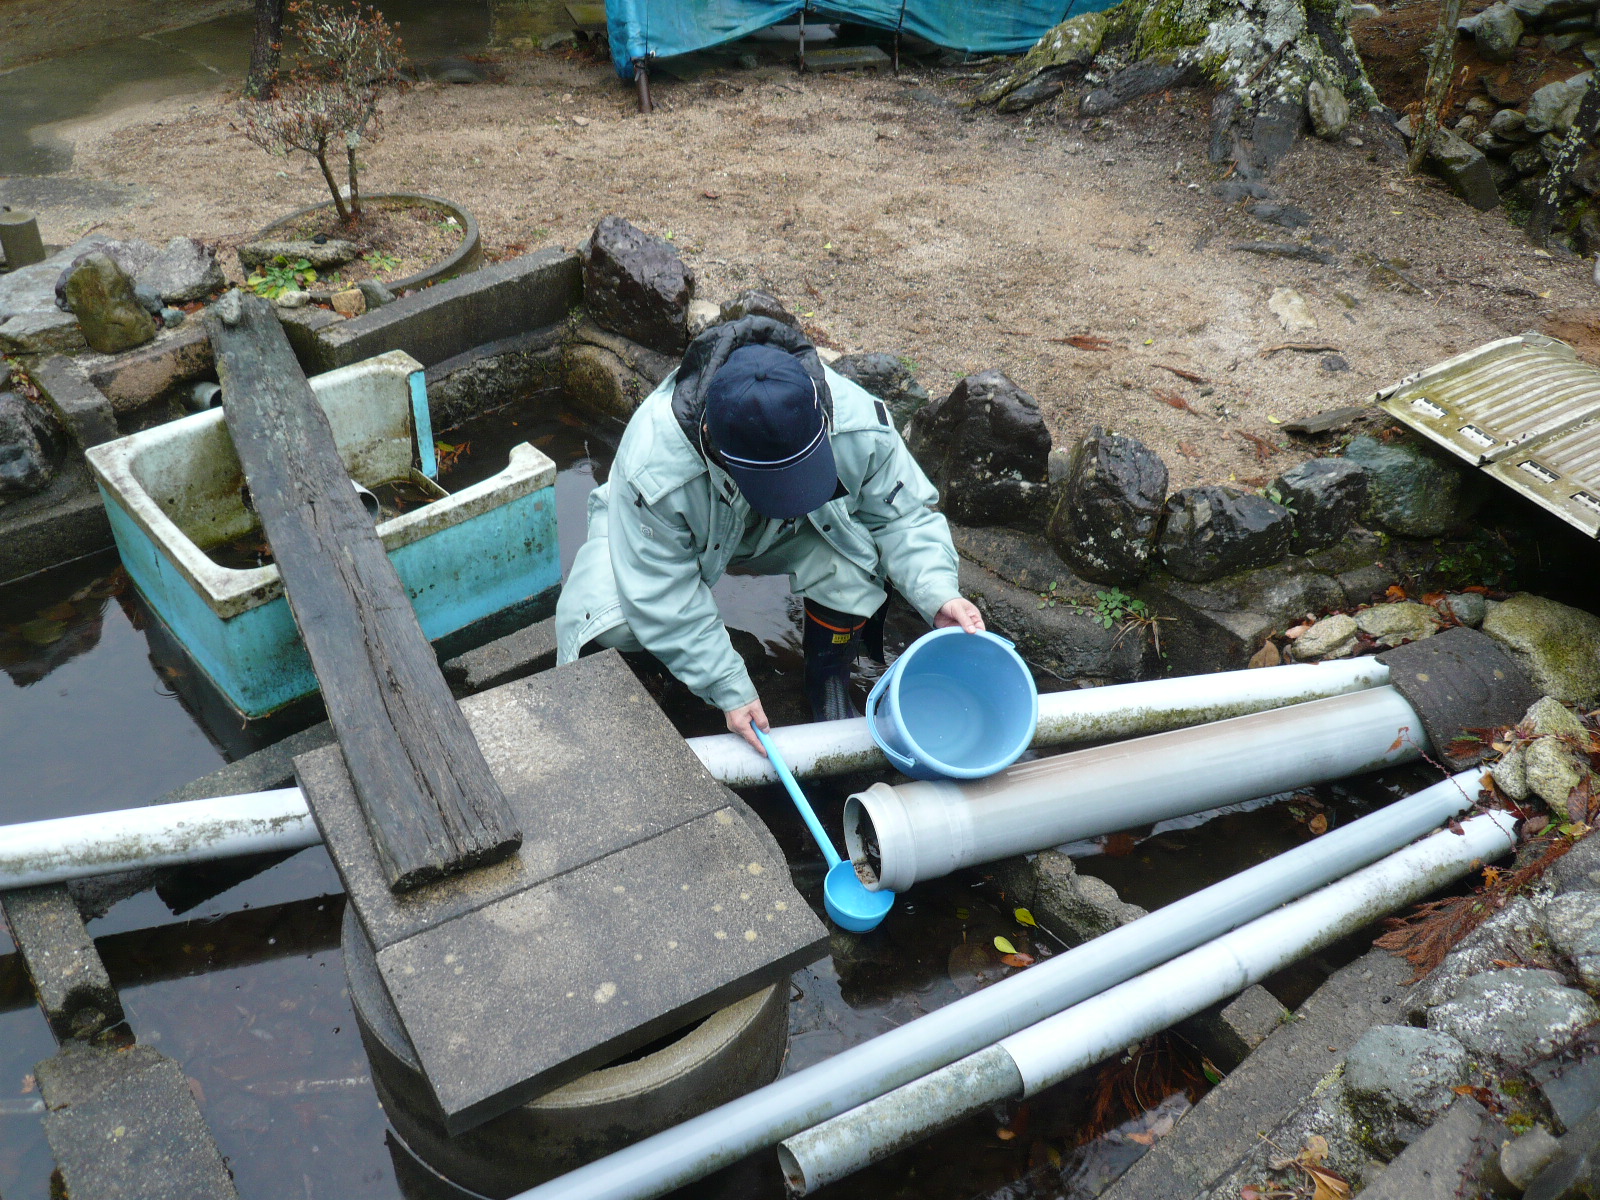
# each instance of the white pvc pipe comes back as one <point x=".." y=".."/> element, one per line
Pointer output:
<point x="699" y="1146"/>
<point x="1060" y="1046"/>
<point x="920" y="830"/>
<point x="159" y="835"/>
<point x="1091" y="714"/>
<point x="199" y="830"/>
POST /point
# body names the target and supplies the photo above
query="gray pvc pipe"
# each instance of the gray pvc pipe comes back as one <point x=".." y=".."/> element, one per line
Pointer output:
<point x="762" y="1118"/>
<point x="1118" y="710"/>
<point x="901" y="834"/>
<point x="1060" y="1046"/>
<point x="66" y="848"/>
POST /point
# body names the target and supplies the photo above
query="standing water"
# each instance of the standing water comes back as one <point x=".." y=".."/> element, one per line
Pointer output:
<point x="239" y="977"/>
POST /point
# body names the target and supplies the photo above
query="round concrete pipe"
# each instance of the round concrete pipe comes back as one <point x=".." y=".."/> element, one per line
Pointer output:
<point x="731" y="1052"/>
<point x="899" y="835"/>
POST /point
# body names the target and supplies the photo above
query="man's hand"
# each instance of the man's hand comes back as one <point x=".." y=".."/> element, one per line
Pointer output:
<point x="741" y="719"/>
<point x="960" y="612"/>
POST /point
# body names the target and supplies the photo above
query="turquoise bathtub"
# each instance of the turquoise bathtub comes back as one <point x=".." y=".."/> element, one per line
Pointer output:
<point x="177" y="490"/>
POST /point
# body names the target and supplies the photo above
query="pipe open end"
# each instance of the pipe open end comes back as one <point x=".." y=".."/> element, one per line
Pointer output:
<point x="861" y="842"/>
<point x="794" y="1175"/>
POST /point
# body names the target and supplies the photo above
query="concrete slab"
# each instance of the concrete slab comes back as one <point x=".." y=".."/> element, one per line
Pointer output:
<point x="588" y="763"/>
<point x="123" y="1125"/>
<point x="504" y="660"/>
<point x="69" y="980"/>
<point x="1230" y="1119"/>
<point x="1443" y="1163"/>
<point x="452" y="317"/>
<point x="64" y="521"/>
<point x="542" y="986"/>
<point x="844" y="58"/>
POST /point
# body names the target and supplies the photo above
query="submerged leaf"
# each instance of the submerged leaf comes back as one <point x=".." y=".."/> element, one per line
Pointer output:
<point x="1024" y="917"/>
<point x="1004" y="946"/>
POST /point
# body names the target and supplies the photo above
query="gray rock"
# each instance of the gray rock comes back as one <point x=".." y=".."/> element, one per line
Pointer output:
<point x="1574" y="1173"/>
<point x="1498" y="31"/>
<point x="1331" y="637"/>
<point x="1558" y="645"/>
<point x="1510" y="773"/>
<point x="1514" y="1016"/>
<point x="1514" y="934"/>
<point x="1212" y="531"/>
<point x="1552" y="108"/>
<point x="1107" y="512"/>
<point x="1403" y="621"/>
<point x="1552" y="772"/>
<point x="184" y="270"/>
<point x="1043" y="86"/>
<point x="148" y="299"/>
<point x="1397" y="1075"/>
<point x="1572" y="1089"/>
<point x="1521" y="1159"/>
<point x="101" y="296"/>
<point x="376" y="294"/>
<point x="1480" y="106"/>
<point x="1578" y="870"/>
<point x="1328" y="109"/>
<point x="635" y="284"/>
<point x="1410" y="491"/>
<point x="1551" y="717"/>
<point x="1466" y="170"/>
<point x="172" y="317"/>
<point x="1468" y="608"/>
<point x="1234" y="190"/>
<point x="889" y="378"/>
<point x="1286" y="215"/>
<point x="292" y="298"/>
<point x="29" y="439"/>
<point x="1496" y="148"/>
<point x="132" y="256"/>
<point x="1434" y="1166"/>
<point x="1076" y="907"/>
<point x="1527" y="160"/>
<point x="39" y="331"/>
<point x="1574" y="924"/>
<point x="985" y="446"/>
<point x="701" y="316"/>
<point x="1325" y="495"/>
<point x="756" y="303"/>
<point x="334" y="252"/>
<point x="33" y="289"/>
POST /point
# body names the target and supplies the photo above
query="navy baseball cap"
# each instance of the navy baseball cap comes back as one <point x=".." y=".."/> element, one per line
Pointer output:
<point x="764" y="414"/>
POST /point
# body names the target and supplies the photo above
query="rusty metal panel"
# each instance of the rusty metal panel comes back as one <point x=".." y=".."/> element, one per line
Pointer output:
<point x="1560" y="472"/>
<point x="1486" y="405"/>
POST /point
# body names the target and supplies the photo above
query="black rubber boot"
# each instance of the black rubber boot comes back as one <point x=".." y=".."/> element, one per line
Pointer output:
<point x="831" y="641"/>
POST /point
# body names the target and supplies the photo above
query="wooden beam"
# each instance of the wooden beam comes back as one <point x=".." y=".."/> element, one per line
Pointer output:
<point x="430" y="802"/>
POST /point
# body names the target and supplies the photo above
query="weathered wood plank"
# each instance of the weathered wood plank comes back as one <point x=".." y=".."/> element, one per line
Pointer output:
<point x="430" y="802"/>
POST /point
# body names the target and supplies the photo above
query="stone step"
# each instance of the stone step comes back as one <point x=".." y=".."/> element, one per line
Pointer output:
<point x="69" y="980"/>
<point x="1230" y="1119"/>
<point x="123" y="1125"/>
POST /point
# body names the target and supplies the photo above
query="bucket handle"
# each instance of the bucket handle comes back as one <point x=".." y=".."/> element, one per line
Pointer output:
<point x="900" y="761"/>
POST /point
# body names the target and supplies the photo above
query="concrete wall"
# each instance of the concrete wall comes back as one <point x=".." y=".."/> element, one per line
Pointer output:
<point x="32" y="29"/>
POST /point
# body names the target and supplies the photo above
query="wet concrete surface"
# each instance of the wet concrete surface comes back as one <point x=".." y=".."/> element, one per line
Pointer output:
<point x="41" y="96"/>
<point x="245" y="989"/>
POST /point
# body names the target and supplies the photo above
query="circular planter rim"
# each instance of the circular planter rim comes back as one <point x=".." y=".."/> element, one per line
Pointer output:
<point x="464" y="258"/>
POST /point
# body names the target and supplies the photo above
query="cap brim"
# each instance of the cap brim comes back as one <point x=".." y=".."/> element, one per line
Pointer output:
<point x="792" y="490"/>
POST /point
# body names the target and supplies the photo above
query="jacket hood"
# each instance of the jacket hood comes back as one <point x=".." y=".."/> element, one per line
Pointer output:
<point x="710" y="350"/>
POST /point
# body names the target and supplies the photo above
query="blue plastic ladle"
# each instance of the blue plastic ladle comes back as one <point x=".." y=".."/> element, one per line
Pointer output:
<point x="848" y="901"/>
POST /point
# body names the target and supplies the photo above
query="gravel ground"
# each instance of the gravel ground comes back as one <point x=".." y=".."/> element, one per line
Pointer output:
<point x="894" y="218"/>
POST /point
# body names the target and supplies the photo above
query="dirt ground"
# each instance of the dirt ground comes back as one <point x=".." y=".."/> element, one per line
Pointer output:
<point x="892" y="218"/>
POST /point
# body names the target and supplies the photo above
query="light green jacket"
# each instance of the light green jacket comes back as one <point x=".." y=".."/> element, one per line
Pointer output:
<point x="666" y="525"/>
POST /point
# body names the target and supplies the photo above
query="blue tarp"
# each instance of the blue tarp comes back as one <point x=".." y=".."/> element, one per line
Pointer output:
<point x="642" y="29"/>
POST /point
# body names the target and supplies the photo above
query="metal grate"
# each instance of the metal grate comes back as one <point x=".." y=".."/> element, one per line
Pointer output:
<point x="1488" y="404"/>
<point x="1560" y="472"/>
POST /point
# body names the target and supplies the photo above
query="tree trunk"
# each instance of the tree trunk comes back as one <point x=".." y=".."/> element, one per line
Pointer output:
<point x="1441" y="66"/>
<point x="333" y="184"/>
<point x="1580" y="137"/>
<point x="265" y="48"/>
<point x="355" y="187"/>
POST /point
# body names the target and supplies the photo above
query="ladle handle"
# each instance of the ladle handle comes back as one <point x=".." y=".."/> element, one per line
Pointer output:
<point x="800" y="801"/>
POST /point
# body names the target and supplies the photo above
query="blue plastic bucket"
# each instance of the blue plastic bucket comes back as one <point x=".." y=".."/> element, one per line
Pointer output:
<point x="955" y="705"/>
